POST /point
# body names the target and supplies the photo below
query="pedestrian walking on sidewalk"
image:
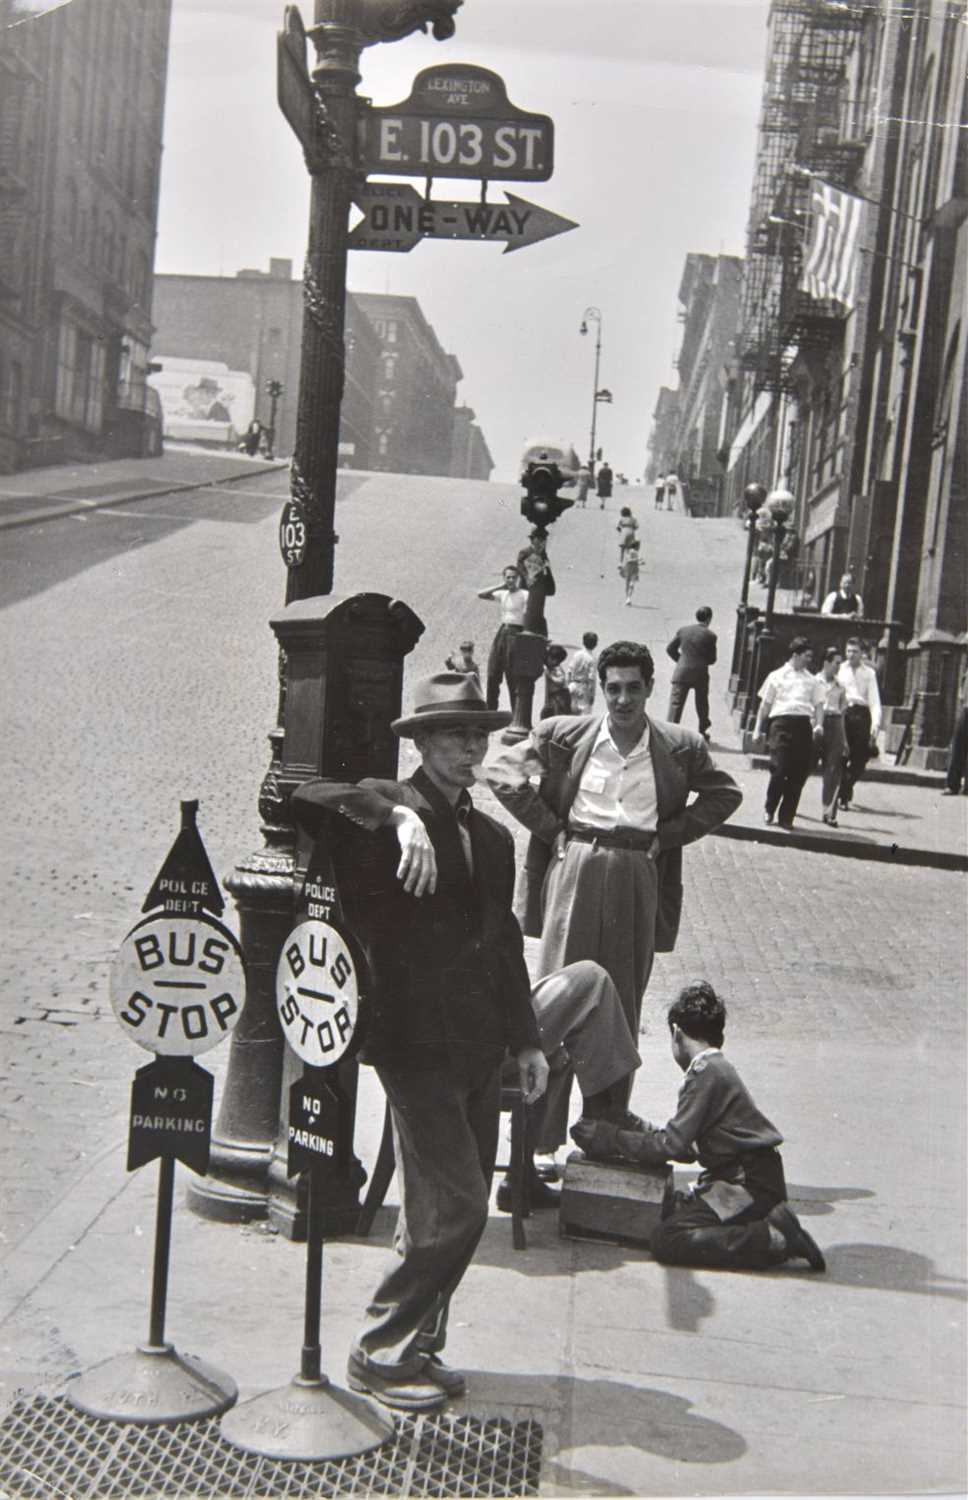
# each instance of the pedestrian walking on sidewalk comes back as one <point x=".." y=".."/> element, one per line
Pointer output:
<point x="603" y="482"/>
<point x="736" y="1216"/>
<point x="693" y="649"/>
<point x="862" y="716"/>
<point x="791" y="700"/>
<point x="583" y="484"/>
<point x="833" y="743"/>
<point x="957" y="772"/>
<point x="629" y="569"/>
<point x="659" y="491"/>
<point x="427" y="881"/>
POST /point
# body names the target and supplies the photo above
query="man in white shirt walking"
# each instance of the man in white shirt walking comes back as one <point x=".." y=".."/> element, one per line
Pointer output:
<point x="862" y="716"/>
<point x="791" y="700"/>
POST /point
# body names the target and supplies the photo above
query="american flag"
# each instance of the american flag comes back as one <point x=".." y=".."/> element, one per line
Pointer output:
<point x="830" y="266"/>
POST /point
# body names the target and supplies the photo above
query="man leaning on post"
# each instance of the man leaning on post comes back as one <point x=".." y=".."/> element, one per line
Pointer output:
<point x="427" y="883"/>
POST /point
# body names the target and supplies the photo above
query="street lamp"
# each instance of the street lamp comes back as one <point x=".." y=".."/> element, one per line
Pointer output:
<point x="594" y="315"/>
<point x="754" y="496"/>
<point x="779" y="503"/>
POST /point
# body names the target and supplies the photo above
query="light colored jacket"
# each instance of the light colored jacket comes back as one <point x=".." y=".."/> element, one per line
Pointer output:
<point x="558" y="752"/>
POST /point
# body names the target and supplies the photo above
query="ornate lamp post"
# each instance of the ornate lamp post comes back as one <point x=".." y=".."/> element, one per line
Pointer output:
<point x="779" y="503"/>
<point x="754" y="496"/>
<point x="341" y="664"/>
<point x="594" y="315"/>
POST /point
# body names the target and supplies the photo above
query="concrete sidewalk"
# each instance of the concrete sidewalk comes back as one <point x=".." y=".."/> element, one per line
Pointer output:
<point x="890" y="818"/>
<point x="33" y="495"/>
<point x="646" y="1380"/>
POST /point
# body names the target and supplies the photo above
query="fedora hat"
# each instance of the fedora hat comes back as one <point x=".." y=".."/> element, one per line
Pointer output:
<point x="449" y="700"/>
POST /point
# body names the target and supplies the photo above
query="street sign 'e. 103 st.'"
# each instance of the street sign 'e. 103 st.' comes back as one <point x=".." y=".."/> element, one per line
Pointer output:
<point x="458" y="122"/>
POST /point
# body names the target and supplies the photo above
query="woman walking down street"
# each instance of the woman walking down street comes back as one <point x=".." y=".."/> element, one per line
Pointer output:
<point x="834" y="743"/>
<point x="628" y="529"/>
<point x="629" y="569"/>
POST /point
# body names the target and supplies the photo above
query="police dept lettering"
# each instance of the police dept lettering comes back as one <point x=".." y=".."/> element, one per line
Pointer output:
<point x="178" y="984"/>
<point x="317" y="993"/>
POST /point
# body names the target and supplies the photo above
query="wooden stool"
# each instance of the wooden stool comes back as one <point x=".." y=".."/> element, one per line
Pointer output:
<point x="512" y="1102"/>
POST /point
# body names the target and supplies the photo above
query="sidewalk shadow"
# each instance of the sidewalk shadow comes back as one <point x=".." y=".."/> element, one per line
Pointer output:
<point x="606" y="1414"/>
<point x="888" y="1268"/>
<point x="814" y="1201"/>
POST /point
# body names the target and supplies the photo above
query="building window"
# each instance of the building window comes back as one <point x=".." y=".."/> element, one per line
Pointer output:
<point x="389" y="366"/>
<point x="382" y="444"/>
<point x="828" y="433"/>
<point x="79" y="393"/>
<point x="391" y="331"/>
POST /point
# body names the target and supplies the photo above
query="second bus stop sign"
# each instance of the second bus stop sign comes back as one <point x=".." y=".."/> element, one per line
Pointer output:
<point x="317" y="993"/>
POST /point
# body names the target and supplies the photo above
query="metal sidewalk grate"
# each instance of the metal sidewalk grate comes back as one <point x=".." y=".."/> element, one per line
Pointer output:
<point x="49" y="1451"/>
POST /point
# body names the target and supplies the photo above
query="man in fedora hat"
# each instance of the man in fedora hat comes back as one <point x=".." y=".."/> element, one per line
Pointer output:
<point x="427" y="883"/>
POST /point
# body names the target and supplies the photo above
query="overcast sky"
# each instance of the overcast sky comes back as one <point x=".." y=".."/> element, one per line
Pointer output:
<point x="655" y="105"/>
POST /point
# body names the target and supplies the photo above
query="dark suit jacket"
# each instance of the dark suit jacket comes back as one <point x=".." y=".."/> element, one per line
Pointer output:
<point x="448" y="968"/>
<point x="693" y="649"/>
<point x="558" y="752"/>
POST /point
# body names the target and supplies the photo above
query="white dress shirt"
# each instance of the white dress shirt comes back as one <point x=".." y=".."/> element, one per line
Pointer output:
<point x="791" y="691"/>
<point x="860" y="683"/>
<point x="616" y="790"/>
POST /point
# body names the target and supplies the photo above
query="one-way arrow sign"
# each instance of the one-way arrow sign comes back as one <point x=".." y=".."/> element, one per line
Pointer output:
<point x="396" y="217"/>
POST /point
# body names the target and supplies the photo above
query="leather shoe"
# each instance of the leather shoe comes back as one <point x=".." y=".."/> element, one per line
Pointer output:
<point x="624" y="1119"/>
<point x="450" y="1381"/>
<point x="418" y="1392"/>
<point x="542" y="1196"/>
<point x="767" y="817"/>
<point x="800" y="1245"/>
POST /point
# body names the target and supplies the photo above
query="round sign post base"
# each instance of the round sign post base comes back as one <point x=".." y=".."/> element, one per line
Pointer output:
<point x="309" y="1420"/>
<point x="152" y="1384"/>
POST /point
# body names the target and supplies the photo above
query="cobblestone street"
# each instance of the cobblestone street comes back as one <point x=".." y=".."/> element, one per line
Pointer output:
<point x="139" y="670"/>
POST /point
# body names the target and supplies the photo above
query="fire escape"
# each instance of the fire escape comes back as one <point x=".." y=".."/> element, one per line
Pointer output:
<point x="800" y="127"/>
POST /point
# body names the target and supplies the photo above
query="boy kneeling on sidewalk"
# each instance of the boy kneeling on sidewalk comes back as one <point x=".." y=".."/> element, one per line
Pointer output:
<point x="735" y="1216"/>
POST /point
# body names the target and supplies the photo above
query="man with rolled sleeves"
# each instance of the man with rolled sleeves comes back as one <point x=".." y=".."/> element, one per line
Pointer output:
<point x="791" y="703"/>
<point x="426" y="882"/>
<point x="608" y="822"/>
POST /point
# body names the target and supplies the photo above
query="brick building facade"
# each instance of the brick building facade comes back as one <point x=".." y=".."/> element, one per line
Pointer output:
<point x="399" y="407"/>
<point x="82" y="93"/>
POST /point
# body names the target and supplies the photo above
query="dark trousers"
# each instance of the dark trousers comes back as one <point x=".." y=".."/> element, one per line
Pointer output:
<point x="833" y="751"/>
<point x="679" y="692"/>
<point x="445" y="1131"/>
<point x="693" y="1234"/>
<point x="498" y="663"/>
<point x="857" y="730"/>
<point x="791" y="755"/>
<point x="958" y="754"/>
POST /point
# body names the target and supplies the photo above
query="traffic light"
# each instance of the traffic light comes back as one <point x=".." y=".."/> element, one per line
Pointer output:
<point x="541" y="503"/>
<point x="274" y="388"/>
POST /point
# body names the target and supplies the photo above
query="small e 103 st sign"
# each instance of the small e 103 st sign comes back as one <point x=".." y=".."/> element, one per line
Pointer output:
<point x="458" y="122"/>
